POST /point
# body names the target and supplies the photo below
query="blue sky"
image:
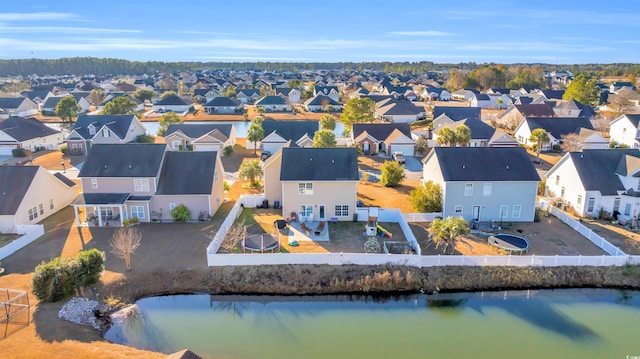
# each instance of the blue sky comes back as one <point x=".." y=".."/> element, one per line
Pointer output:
<point x="327" y="31"/>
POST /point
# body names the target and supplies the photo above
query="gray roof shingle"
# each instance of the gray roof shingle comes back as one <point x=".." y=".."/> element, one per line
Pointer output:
<point x="118" y="124"/>
<point x="23" y="129"/>
<point x="497" y="164"/>
<point x="457" y="113"/>
<point x="380" y="131"/>
<point x="14" y="183"/>
<point x="559" y="126"/>
<point x="319" y="164"/>
<point x="195" y="130"/>
<point x="187" y="173"/>
<point x="123" y="160"/>
<point x="291" y="130"/>
<point x="597" y="169"/>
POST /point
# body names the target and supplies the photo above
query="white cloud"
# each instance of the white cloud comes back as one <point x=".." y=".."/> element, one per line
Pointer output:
<point x="36" y="16"/>
<point x="61" y="29"/>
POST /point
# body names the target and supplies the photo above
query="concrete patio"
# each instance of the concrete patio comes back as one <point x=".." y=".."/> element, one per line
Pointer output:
<point x="297" y="233"/>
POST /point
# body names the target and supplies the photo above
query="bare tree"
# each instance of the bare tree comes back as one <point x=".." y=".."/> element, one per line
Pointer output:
<point x="124" y="243"/>
<point x="571" y="142"/>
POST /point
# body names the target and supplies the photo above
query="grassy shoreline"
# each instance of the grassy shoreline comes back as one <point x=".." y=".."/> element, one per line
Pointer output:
<point x="319" y="279"/>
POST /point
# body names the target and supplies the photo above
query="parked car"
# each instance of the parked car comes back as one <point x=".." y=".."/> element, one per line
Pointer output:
<point x="264" y="155"/>
<point x="398" y="156"/>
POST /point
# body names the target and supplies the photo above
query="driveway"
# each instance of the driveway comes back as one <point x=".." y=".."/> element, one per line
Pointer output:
<point x="413" y="168"/>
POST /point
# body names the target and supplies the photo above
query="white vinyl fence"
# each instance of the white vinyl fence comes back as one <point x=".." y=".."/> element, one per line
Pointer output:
<point x="586" y="232"/>
<point x="31" y="233"/>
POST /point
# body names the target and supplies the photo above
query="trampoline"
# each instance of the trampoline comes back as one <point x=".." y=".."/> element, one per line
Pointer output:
<point x="509" y="242"/>
<point x="261" y="242"/>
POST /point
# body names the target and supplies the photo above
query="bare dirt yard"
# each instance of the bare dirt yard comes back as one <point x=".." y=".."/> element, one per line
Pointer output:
<point x="372" y="194"/>
<point x="550" y="236"/>
<point x="620" y="236"/>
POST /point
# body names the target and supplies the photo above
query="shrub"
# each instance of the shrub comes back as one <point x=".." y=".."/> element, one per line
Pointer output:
<point x="557" y="148"/>
<point x="228" y="150"/>
<point x="226" y="186"/>
<point x="427" y="198"/>
<point x="64" y="149"/>
<point x="145" y="139"/>
<point x="392" y="174"/>
<point x="61" y="277"/>
<point x="181" y="213"/>
<point x="20" y="152"/>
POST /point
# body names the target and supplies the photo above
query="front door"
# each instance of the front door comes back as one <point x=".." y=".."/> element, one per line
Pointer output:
<point x="322" y="213"/>
<point x="365" y="147"/>
<point x="476" y="213"/>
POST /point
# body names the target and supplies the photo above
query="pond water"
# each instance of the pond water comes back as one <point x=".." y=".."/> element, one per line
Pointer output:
<point x="526" y="324"/>
<point x="241" y="127"/>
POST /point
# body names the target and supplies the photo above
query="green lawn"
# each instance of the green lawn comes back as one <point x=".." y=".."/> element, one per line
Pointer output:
<point x="7" y="238"/>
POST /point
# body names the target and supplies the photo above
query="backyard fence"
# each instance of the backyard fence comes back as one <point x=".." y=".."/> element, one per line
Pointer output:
<point x="417" y="260"/>
<point x="393" y="215"/>
<point x="31" y="233"/>
<point x="585" y="231"/>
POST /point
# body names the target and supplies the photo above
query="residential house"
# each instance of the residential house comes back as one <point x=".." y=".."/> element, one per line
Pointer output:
<point x="291" y="95"/>
<point x="29" y="133"/>
<point x="557" y="127"/>
<point x="200" y="137"/>
<point x="572" y="108"/>
<point x="359" y="92"/>
<point x="278" y="133"/>
<point x="319" y="103"/>
<point x="449" y="114"/>
<point x="595" y="180"/>
<point x="313" y="184"/>
<point x="625" y="130"/>
<point x="482" y="135"/>
<point x="146" y="182"/>
<point x="399" y="112"/>
<point x="619" y="85"/>
<point x="483" y="183"/>
<point x="30" y="194"/>
<point x="17" y="106"/>
<point x="383" y="137"/>
<point x="464" y="94"/>
<point x="513" y="115"/>
<point x="435" y="93"/>
<point x="274" y="104"/>
<point x="331" y="91"/>
<point x="100" y="129"/>
<point x="171" y="103"/>
<point x="223" y="104"/>
<point x="38" y="97"/>
<point x="200" y="95"/>
<point x="50" y="104"/>
<point x="248" y="96"/>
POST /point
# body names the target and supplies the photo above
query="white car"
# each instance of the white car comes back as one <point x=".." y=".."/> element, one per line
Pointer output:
<point x="398" y="156"/>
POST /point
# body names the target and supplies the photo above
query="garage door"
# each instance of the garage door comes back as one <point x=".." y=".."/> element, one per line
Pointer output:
<point x="203" y="148"/>
<point x="407" y="150"/>
<point x="5" y="150"/>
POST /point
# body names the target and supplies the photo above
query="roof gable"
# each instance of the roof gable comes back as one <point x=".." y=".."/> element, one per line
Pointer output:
<point x="598" y="169"/>
<point x="319" y="164"/>
<point x="118" y="124"/>
<point x="123" y="160"/>
<point x="14" y="183"/>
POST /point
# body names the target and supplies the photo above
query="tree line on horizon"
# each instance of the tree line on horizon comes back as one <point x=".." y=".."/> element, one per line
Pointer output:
<point x="112" y="66"/>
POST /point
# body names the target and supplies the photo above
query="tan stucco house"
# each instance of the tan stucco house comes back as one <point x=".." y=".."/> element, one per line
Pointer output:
<point x="200" y="137"/>
<point x="94" y="129"/>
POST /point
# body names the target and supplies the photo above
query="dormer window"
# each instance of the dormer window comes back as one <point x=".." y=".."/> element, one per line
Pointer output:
<point x="92" y="130"/>
<point x="105" y="132"/>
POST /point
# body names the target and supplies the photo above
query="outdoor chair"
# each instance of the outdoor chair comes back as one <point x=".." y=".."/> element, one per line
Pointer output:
<point x="320" y="226"/>
<point x="304" y="227"/>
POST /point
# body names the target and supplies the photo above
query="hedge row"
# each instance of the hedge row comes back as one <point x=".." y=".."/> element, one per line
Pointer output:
<point x="61" y="277"/>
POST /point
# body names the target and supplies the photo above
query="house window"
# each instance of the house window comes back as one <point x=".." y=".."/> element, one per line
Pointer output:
<point x="176" y="145"/>
<point x="51" y="203"/>
<point x="92" y="130"/>
<point x="458" y="209"/>
<point x="562" y="192"/>
<point x="616" y="205"/>
<point x="33" y="213"/>
<point x="305" y="188"/>
<point x="105" y="132"/>
<point x="579" y="201"/>
<point x="94" y="183"/>
<point x="638" y="188"/>
<point x="106" y="212"/>
<point x="341" y="210"/>
<point x="468" y="189"/>
<point x="557" y="180"/>
<point x="627" y="209"/>
<point x="172" y="206"/>
<point x="590" y="204"/>
<point x="306" y="210"/>
<point x="215" y="176"/>
<point x="41" y="209"/>
<point x="516" y="211"/>
<point x="486" y="190"/>
<point x="504" y="211"/>
<point x="137" y="212"/>
<point x="141" y="184"/>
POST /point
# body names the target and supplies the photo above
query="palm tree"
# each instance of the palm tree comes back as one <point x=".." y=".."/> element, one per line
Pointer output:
<point x="251" y="170"/>
<point x="540" y="137"/>
<point x="260" y="110"/>
<point x="445" y="232"/>
<point x="446" y="136"/>
<point x="463" y="135"/>
<point x="255" y="134"/>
